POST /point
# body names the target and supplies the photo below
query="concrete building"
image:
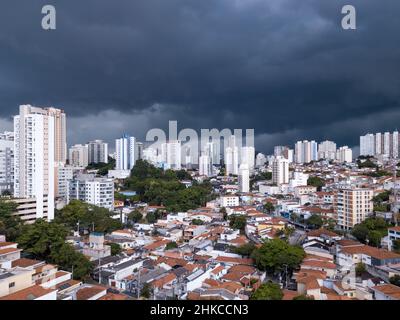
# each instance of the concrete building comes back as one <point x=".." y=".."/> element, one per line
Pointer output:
<point x="60" y="134"/>
<point x="260" y="160"/>
<point x="93" y="190"/>
<point x="171" y="154"/>
<point x="34" y="157"/>
<point x="352" y="206"/>
<point x="125" y="153"/>
<point x="327" y="150"/>
<point x="97" y="151"/>
<point x="306" y="151"/>
<point x="280" y="171"/>
<point x="248" y="157"/>
<point x="367" y="145"/>
<point x="244" y="178"/>
<point x="344" y="154"/>
<point x="205" y="167"/>
<point x="6" y="162"/>
<point x="79" y="155"/>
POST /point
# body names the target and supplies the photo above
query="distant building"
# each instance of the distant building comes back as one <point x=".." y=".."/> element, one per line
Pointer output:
<point x="125" y="153"/>
<point x="244" y="178"/>
<point x="93" y="190"/>
<point x="97" y="151"/>
<point x="280" y="171"/>
<point x="79" y="155"/>
<point x="6" y="162"/>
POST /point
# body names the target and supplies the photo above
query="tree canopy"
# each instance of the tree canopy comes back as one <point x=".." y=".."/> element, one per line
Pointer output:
<point x="158" y="187"/>
<point x="372" y="230"/>
<point x="10" y="225"/>
<point x="46" y="241"/>
<point x="274" y="255"/>
<point x="87" y="215"/>
<point x="268" y="291"/>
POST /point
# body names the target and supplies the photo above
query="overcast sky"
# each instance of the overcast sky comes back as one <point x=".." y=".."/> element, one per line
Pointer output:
<point x="283" y="67"/>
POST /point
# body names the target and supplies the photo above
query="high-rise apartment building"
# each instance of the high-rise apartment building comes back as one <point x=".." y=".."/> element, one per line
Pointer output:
<point x="60" y="134"/>
<point x="244" y="178"/>
<point x="205" y="166"/>
<point x="34" y="152"/>
<point x="125" y="153"/>
<point x="352" y="206"/>
<point x="171" y="154"/>
<point x="344" y="154"/>
<point x="78" y="155"/>
<point x="386" y="144"/>
<point x="97" y="151"/>
<point x="306" y="151"/>
<point x="280" y="171"/>
<point x="6" y="162"/>
<point x="327" y="150"/>
<point x="248" y="157"/>
<point x="367" y="145"/>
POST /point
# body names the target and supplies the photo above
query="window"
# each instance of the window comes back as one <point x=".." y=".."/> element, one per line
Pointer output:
<point x="11" y="285"/>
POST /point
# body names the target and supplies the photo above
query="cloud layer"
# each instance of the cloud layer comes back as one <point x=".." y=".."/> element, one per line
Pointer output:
<point x="283" y="67"/>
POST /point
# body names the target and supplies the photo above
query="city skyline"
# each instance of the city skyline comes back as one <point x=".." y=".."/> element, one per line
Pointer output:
<point x="221" y="64"/>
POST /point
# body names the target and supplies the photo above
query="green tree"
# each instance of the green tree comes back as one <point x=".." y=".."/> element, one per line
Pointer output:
<point x="396" y="246"/>
<point x="315" y="221"/>
<point x="135" y="216"/>
<point x="67" y="258"/>
<point x="274" y="255"/>
<point x="171" y="245"/>
<point x="303" y="297"/>
<point x="115" y="248"/>
<point x="360" y="269"/>
<point x="197" y="222"/>
<point x="269" y="207"/>
<point x="268" y="291"/>
<point x="42" y="238"/>
<point x="46" y="241"/>
<point x="87" y="215"/>
<point x="10" y="225"/>
<point x="360" y="232"/>
<point x="316" y="182"/>
<point x="245" y="249"/>
<point x="146" y="291"/>
<point x="395" y="280"/>
<point x="374" y="238"/>
<point x="237" y="222"/>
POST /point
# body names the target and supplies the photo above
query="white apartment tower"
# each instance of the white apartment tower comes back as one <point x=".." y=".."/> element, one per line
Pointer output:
<point x="367" y="145"/>
<point x="280" y="170"/>
<point x="171" y="154"/>
<point x="344" y="154"/>
<point x="306" y="151"/>
<point x="34" y="153"/>
<point x="205" y="166"/>
<point x="125" y="153"/>
<point x="327" y="150"/>
<point x="244" y="178"/>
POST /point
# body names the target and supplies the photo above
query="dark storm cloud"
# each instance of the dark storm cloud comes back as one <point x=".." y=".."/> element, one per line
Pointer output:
<point x="283" y="67"/>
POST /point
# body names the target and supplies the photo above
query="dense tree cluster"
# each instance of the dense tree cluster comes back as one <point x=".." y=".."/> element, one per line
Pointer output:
<point x="10" y="225"/>
<point x="102" y="167"/>
<point x="46" y="241"/>
<point x="371" y="230"/>
<point x="275" y="255"/>
<point x="88" y="216"/>
<point x="316" y="182"/>
<point x="268" y="291"/>
<point x="158" y="187"/>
